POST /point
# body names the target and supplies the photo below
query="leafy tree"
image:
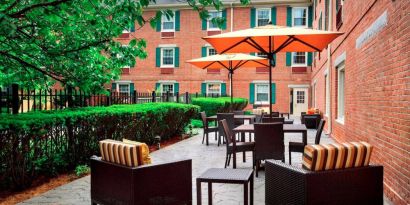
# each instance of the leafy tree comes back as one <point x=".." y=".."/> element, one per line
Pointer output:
<point x="72" y="41"/>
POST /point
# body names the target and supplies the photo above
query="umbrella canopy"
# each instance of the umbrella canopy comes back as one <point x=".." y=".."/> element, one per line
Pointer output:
<point x="231" y="62"/>
<point x="270" y="40"/>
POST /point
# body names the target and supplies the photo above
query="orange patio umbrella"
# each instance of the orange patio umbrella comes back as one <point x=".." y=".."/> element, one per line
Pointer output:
<point x="270" y="40"/>
<point x="231" y="62"/>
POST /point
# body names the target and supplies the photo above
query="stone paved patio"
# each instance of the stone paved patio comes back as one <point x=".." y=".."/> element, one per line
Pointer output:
<point x="203" y="157"/>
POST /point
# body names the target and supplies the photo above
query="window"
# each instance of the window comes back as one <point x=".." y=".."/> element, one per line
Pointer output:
<point x="168" y="24"/>
<point x="341" y="93"/>
<point x="300" y="16"/>
<point x="167" y="59"/>
<point x="213" y="89"/>
<point x="327" y="95"/>
<point x="168" y="87"/>
<point x="124" y="88"/>
<point x="314" y="95"/>
<point x="211" y="51"/>
<point x="300" y="97"/>
<point x="262" y="17"/>
<point x="299" y="59"/>
<point x="213" y="14"/>
<point x="320" y="22"/>
<point x="263" y="55"/>
<point x="262" y="93"/>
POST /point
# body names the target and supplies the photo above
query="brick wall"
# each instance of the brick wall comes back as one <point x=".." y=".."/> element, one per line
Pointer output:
<point x="377" y="97"/>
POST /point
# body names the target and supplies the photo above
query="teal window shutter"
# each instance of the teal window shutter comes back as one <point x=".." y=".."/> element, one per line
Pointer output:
<point x="289" y="16"/>
<point x="223" y="89"/>
<point x="273" y="15"/>
<point x="203" y="51"/>
<point x="224" y="16"/>
<point x="310" y="16"/>
<point x="157" y="87"/>
<point x="176" y="88"/>
<point x="251" y="93"/>
<point x="177" y="20"/>
<point x="309" y="58"/>
<point x="159" y="25"/>
<point x="132" y="28"/>
<point x="274" y="59"/>
<point x="203" y="88"/>
<point x="252" y="54"/>
<point x="176" y="53"/>
<point x="158" y="57"/>
<point x="253" y="17"/>
<point x="204" y="24"/>
<point x="114" y="86"/>
<point x="288" y="58"/>
<point x="273" y="93"/>
<point x="132" y="88"/>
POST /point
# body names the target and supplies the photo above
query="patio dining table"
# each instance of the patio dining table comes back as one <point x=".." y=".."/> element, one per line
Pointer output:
<point x="251" y="118"/>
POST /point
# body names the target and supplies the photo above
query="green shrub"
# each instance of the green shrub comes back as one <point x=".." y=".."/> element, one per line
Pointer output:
<point x="51" y="142"/>
<point x="82" y="170"/>
<point x="219" y="105"/>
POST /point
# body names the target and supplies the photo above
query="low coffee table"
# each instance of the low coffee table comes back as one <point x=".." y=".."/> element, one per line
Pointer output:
<point x="229" y="176"/>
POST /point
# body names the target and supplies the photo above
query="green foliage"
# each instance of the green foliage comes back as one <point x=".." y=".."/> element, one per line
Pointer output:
<point x="82" y="170"/>
<point x="51" y="142"/>
<point x="74" y="41"/>
<point x="219" y="105"/>
<point x="197" y="123"/>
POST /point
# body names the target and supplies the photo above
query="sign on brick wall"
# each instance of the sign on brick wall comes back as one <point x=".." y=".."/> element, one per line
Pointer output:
<point x="373" y="30"/>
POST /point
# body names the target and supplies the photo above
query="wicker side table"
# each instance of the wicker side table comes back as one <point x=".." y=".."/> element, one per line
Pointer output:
<point x="229" y="176"/>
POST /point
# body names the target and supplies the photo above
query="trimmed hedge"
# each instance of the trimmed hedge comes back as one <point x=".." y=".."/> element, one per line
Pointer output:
<point x="51" y="142"/>
<point x="219" y="105"/>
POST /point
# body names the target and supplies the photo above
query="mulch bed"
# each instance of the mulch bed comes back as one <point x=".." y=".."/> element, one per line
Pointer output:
<point x="44" y="184"/>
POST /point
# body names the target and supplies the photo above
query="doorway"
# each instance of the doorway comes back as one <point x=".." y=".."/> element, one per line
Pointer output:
<point x="300" y="103"/>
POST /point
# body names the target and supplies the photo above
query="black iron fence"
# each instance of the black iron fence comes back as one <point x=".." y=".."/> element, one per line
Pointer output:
<point x="17" y="100"/>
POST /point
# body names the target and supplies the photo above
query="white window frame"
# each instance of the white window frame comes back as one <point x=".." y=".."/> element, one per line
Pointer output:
<point x="341" y="94"/>
<point x="320" y="25"/>
<point x="162" y="57"/>
<point x="327" y="95"/>
<point x="207" y="88"/>
<point x="171" y="84"/>
<point x="260" y="9"/>
<point x="208" y="21"/>
<point x="164" y="17"/>
<point x="119" y="90"/>
<point x="314" y="94"/>
<point x="209" y="48"/>
<point x="298" y="65"/>
<point x="293" y="16"/>
<point x="256" y="94"/>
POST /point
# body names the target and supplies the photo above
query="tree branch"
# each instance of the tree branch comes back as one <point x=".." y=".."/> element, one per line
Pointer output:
<point x="18" y="14"/>
<point x="79" y="48"/>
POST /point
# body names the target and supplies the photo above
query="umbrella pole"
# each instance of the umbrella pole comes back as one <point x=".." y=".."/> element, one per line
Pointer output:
<point x="230" y="78"/>
<point x="270" y="57"/>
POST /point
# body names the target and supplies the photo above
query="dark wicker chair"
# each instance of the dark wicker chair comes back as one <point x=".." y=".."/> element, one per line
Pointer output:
<point x="273" y="119"/>
<point x="275" y="114"/>
<point x="149" y="184"/>
<point x="310" y="120"/>
<point x="239" y="121"/>
<point x="299" y="146"/>
<point x="269" y="143"/>
<point x="233" y="147"/>
<point x="207" y="129"/>
<point x="229" y="117"/>
<point x="285" y="184"/>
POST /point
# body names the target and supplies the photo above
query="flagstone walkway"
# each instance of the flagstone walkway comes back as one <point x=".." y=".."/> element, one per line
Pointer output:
<point x="203" y="157"/>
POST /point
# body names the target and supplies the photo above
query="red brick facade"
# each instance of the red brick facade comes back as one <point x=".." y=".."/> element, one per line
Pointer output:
<point x="377" y="97"/>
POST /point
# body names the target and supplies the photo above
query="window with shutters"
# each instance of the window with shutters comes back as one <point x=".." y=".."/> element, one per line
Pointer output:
<point x="262" y="93"/>
<point x="263" y="55"/>
<point x="299" y="16"/>
<point x="213" y="14"/>
<point x="211" y="51"/>
<point x="124" y="88"/>
<point x="167" y="57"/>
<point x="320" y="22"/>
<point x="167" y="87"/>
<point x="341" y="93"/>
<point x="263" y="16"/>
<point x="168" y="23"/>
<point x="213" y="89"/>
<point x="299" y="59"/>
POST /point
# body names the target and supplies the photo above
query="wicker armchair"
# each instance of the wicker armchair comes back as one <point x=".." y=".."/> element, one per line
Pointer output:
<point x="207" y="129"/>
<point x="285" y="184"/>
<point x="230" y="120"/>
<point x="149" y="184"/>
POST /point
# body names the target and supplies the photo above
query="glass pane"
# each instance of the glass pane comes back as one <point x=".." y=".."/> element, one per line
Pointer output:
<point x="263" y="17"/>
<point x="300" y="97"/>
<point x="123" y="88"/>
<point x="214" y="88"/>
<point x="262" y="97"/>
<point x="168" y="25"/>
<point x="212" y="15"/>
<point x="299" y="58"/>
<point x="167" y="88"/>
<point x="299" y="18"/>
<point x="168" y="57"/>
<point x="211" y="52"/>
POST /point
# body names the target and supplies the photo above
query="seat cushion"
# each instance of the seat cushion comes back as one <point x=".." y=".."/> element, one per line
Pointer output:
<point x="120" y="153"/>
<point x="336" y="156"/>
<point x="143" y="150"/>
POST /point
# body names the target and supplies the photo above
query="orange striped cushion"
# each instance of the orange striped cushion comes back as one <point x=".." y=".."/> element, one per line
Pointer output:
<point x="120" y="153"/>
<point x="336" y="156"/>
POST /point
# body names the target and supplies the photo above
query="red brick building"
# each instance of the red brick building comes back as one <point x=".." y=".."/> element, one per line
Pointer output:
<point x="177" y="40"/>
<point x="360" y="83"/>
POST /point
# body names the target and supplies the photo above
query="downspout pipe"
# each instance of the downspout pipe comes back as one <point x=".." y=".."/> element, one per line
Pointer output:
<point x="329" y="69"/>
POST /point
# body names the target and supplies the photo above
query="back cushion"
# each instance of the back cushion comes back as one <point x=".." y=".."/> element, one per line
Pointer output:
<point x="336" y="156"/>
<point x="120" y="153"/>
<point x="143" y="150"/>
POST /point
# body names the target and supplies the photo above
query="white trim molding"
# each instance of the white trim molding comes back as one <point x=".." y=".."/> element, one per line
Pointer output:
<point x="299" y="86"/>
<point x="213" y="81"/>
<point x="122" y="81"/>
<point x="167" y="81"/>
<point x="167" y="45"/>
<point x="260" y="81"/>
<point x="340" y="59"/>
